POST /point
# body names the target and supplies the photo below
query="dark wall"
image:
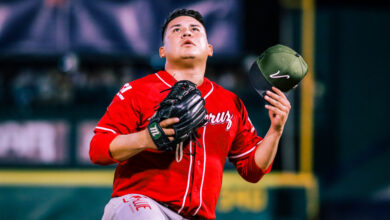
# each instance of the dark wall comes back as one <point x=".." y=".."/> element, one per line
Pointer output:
<point x="352" y="141"/>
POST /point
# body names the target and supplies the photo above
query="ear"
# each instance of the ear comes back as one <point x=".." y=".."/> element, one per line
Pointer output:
<point x="211" y="50"/>
<point x="162" y="52"/>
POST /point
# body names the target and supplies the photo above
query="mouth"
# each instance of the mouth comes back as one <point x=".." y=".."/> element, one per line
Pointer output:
<point x="188" y="43"/>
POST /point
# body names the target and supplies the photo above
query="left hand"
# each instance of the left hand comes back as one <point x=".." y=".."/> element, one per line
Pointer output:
<point x="278" y="110"/>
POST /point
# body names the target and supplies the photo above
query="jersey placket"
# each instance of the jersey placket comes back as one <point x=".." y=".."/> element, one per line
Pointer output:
<point x="199" y="169"/>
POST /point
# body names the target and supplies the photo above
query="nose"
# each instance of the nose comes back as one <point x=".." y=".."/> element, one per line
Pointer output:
<point x="186" y="33"/>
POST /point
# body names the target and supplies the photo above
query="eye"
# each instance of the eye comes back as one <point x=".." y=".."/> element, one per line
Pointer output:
<point x="176" y="30"/>
<point x="195" y="29"/>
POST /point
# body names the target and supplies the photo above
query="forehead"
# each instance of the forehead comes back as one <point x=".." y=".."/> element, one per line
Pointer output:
<point x="183" y="21"/>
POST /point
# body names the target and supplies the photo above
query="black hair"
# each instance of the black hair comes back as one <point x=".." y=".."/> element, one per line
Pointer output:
<point x="181" y="12"/>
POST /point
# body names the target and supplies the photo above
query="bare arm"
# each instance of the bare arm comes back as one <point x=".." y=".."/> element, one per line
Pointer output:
<point x="278" y="112"/>
<point x="125" y="146"/>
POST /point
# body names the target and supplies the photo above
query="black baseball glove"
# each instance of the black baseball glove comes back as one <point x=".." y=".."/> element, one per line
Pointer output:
<point x="185" y="102"/>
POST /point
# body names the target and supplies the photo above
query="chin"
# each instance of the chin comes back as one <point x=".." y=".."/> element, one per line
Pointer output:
<point x="188" y="57"/>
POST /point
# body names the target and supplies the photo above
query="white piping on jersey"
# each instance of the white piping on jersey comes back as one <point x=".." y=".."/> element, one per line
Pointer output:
<point x="188" y="180"/>
<point x="207" y="95"/>
<point x="179" y="150"/>
<point x="245" y="153"/>
<point x="105" y="129"/>
<point x="163" y="80"/>
<point x="204" y="170"/>
<point x="211" y="90"/>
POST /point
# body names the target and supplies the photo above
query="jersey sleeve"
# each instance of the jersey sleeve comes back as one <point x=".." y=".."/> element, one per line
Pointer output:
<point x="121" y="117"/>
<point x="244" y="146"/>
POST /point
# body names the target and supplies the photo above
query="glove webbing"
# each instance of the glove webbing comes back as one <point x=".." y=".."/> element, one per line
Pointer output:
<point x="156" y="131"/>
<point x="177" y="93"/>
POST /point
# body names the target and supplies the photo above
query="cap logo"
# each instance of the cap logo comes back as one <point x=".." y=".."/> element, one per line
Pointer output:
<point x="277" y="76"/>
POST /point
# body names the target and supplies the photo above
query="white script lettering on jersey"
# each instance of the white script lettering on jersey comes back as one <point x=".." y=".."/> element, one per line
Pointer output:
<point x="220" y="118"/>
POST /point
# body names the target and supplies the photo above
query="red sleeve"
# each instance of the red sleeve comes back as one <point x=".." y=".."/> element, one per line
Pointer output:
<point x="248" y="169"/>
<point x="121" y="117"/>
<point x="244" y="147"/>
<point x="99" y="149"/>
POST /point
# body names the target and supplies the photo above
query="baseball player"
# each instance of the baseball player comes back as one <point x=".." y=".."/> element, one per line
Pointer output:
<point x="175" y="177"/>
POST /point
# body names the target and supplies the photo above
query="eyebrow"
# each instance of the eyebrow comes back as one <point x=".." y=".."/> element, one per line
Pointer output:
<point x="179" y="25"/>
<point x="175" y="25"/>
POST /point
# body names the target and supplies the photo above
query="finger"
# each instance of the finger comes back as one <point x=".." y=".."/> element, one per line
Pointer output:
<point x="283" y="99"/>
<point x="279" y="92"/>
<point x="276" y="110"/>
<point x="169" y="131"/>
<point x="273" y="95"/>
<point x="168" y="122"/>
<point x="276" y="104"/>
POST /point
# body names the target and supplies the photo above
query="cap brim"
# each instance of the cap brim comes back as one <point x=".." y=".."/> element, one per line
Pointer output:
<point x="258" y="81"/>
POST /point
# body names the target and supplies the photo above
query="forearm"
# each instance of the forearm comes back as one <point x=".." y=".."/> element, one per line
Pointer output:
<point x="278" y="110"/>
<point x="123" y="147"/>
<point x="266" y="149"/>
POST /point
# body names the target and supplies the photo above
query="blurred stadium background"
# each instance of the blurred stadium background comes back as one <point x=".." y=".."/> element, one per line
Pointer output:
<point x="62" y="61"/>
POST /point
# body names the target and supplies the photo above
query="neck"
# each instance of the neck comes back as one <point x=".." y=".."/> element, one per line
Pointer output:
<point x="193" y="73"/>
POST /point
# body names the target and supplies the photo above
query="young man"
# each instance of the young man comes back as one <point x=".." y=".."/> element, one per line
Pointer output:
<point x="185" y="183"/>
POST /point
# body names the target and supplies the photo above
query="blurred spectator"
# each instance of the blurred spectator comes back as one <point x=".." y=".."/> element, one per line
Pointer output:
<point x="23" y="89"/>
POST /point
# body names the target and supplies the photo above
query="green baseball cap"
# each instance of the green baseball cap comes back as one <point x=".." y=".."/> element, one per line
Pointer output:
<point x="278" y="66"/>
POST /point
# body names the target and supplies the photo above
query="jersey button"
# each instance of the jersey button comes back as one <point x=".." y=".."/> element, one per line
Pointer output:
<point x="198" y="162"/>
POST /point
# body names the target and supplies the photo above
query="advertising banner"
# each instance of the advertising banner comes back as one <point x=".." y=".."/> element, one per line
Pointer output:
<point x="34" y="142"/>
<point x="131" y="27"/>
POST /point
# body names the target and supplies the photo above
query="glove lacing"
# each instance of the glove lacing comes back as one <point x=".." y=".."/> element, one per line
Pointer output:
<point x="179" y="147"/>
<point x="179" y="150"/>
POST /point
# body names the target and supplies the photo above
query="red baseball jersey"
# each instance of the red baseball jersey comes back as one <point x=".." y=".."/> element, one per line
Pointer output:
<point x="189" y="179"/>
